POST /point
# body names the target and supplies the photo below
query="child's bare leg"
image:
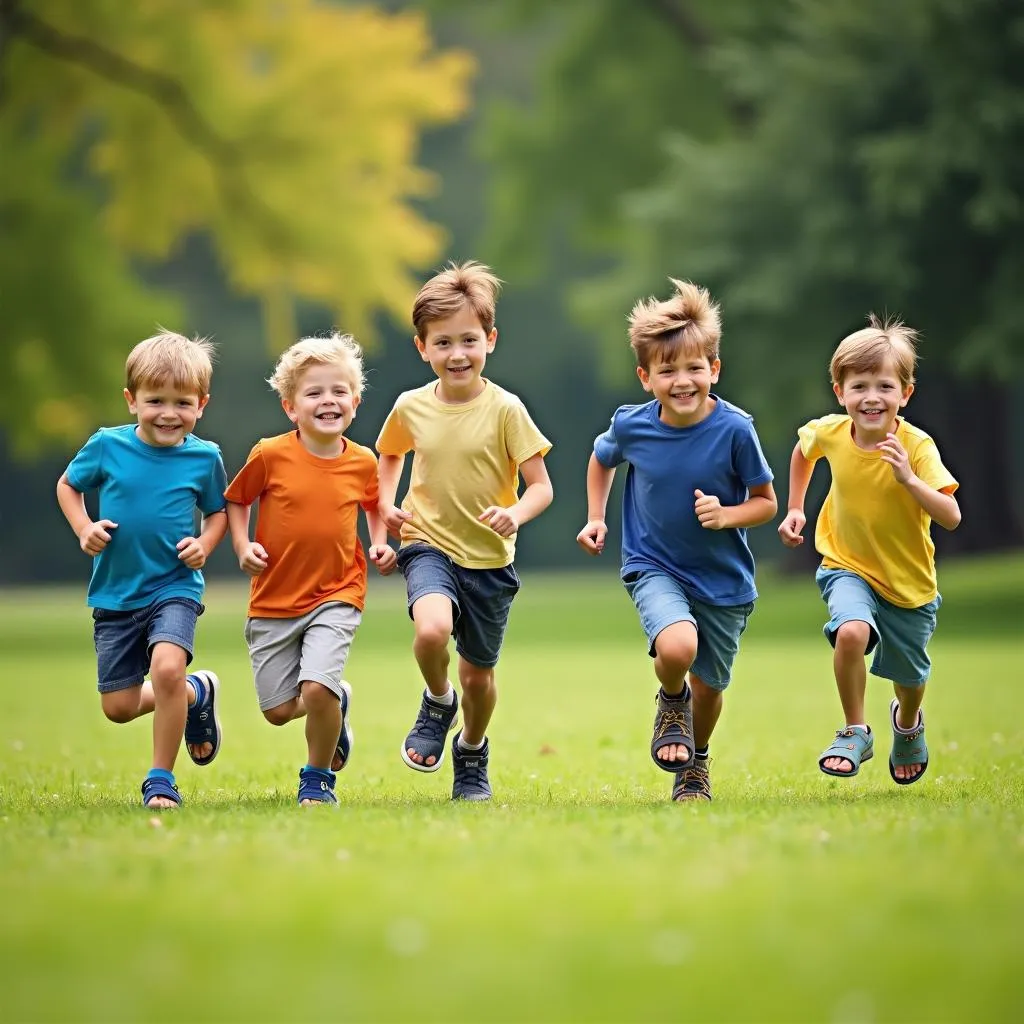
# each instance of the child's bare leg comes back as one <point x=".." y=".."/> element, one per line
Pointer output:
<point x="432" y="616"/>
<point x="707" y="707"/>
<point x="910" y="698"/>
<point x="323" y="723"/>
<point x="479" y="696"/>
<point x="675" y="647"/>
<point x="167" y="675"/>
<point x="127" y="705"/>
<point x="851" y="646"/>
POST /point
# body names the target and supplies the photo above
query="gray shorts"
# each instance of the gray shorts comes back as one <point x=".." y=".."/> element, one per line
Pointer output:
<point x="312" y="648"/>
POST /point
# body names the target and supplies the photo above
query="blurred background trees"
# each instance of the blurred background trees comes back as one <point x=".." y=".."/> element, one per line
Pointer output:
<point x="257" y="170"/>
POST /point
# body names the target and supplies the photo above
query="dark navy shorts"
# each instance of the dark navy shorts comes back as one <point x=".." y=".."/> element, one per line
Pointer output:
<point x="481" y="598"/>
<point x="124" y="640"/>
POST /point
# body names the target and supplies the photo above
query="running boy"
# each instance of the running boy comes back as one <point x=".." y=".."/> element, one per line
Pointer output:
<point x="146" y="584"/>
<point x="470" y="441"/>
<point x="696" y="479"/>
<point x="307" y="564"/>
<point x="877" y="572"/>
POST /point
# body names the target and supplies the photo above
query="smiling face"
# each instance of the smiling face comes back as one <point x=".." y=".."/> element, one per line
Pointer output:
<point x="166" y="415"/>
<point x="873" y="399"/>
<point x="457" y="348"/>
<point x="323" y="406"/>
<point x="681" y="382"/>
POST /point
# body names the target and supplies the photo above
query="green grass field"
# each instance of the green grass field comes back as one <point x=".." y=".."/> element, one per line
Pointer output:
<point x="580" y="893"/>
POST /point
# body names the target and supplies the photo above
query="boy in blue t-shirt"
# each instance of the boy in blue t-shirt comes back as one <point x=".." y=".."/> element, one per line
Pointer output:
<point x="696" y="480"/>
<point x="146" y="583"/>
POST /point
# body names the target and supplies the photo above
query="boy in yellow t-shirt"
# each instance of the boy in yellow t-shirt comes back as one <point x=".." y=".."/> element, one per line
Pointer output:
<point x="877" y="573"/>
<point x="471" y="440"/>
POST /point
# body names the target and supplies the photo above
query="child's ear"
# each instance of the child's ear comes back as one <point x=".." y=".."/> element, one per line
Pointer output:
<point x="202" y="405"/>
<point x="289" y="410"/>
<point x="421" y="348"/>
<point x="838" y="390"/>
<point x="645" y="378"/>
<point x="907" y="392"/>
<point x="130" y="399"/>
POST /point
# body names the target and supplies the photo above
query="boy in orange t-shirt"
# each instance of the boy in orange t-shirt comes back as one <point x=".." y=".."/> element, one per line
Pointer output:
<point x="307" y="563"/>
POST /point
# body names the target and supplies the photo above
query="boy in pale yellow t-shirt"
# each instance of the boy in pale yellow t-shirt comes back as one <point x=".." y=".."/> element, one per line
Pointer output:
<point x="471" y="441"/>
<point x="877" y="573"/>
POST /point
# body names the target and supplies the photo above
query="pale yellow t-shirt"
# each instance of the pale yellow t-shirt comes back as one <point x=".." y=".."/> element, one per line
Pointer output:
<point x="465" y="458"/>
<point x="870" y="524"/>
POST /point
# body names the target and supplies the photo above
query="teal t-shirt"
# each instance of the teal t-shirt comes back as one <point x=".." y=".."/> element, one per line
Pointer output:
<point x="152" y="494"/>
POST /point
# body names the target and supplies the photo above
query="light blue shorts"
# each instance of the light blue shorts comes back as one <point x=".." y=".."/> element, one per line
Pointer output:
<point x="899" y="636"/>
<point x="661" y="601"/>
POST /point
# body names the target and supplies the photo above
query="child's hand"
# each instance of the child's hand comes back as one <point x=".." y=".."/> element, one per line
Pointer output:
<point x="384" y="557"/>
<point x="896" y="455"/>
<point x="591" y="537"/>
<point x="791" y="527"/>
<point x="500" y="520"/>
<point x="393" y="518"/>
<point x="709" y="511"/>
<point x="253" y="558"/>
<point x="192" y="553"/>
<point x="96" y="536"/>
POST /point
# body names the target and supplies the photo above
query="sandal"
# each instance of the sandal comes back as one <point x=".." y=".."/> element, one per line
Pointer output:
<point x="317" y="786"/>
<point x="203" y="723"/>
<point x="344" y="748"/>
<point x="673" y="726"/>
<point x="907" y="748"/>
<point x="693" y="782"/>
<point x="429" y="732"/>
<point x="853" y="745"/>
<point x="154" y="786"/>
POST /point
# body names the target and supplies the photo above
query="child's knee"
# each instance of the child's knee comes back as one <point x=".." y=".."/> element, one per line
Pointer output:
<point x="853" y="637"/>
<point x="318" y="698"/>
<point x="475" y="678"/>
<point x="676" y="649"/>
<point x="121" y="705"/>
<point x="433" y="634"/>
<point x="280" y="715"/>
<point x="167" y="667"/>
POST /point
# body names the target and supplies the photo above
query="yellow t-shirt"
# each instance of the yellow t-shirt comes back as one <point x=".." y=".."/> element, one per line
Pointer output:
<point x="465" y="458"/>
<point x="870" y="524"/>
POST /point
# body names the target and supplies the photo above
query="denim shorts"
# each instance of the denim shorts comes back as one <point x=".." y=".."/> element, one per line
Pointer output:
<point x="662" y="601"/>
<point x="481" y="598"/>
<point x="899" y="636"/>
<point x="124" y="640"/>
<point x="311" y="648"/>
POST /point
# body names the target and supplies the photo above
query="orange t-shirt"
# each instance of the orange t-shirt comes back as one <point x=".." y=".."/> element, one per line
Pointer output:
<point x="307" y="519"/>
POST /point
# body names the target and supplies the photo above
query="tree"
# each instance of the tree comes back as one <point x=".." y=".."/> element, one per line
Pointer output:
<point x="285" y="130"/>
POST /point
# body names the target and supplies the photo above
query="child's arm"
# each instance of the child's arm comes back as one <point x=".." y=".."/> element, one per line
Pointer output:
<point x="194" y="551"/>
<point x="800" y="471"/>
<point x="389" y="472"/>
<point x="252" y="557"/>
<point x="943" y="508"/>
<point x="760" y="507"/>
<point x="93" y="537"/>
<point x="382" y="554"/>
<point x="537" y="496"/>
<point x="599" y="486"/>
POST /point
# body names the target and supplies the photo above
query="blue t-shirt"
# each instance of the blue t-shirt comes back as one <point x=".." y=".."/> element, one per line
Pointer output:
<point x="660" y="530"/>
<point x="152" y="494"/>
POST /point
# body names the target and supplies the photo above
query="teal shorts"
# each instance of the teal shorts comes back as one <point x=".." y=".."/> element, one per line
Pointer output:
<point x="661" y="601"/>
<point x="899" y="636"/>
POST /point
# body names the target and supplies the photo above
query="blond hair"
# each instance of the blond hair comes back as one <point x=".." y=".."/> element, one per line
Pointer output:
<point x="455" y="286"/>
<point x="868" y="350"/>
<point x="185" y="364"/>
<point x="340" y="350"/>
<point x="689" y="321"/>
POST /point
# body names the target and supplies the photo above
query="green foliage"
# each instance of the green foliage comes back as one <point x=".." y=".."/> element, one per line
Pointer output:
<point x="286" y="131"/>
<point x="588" y="895"/>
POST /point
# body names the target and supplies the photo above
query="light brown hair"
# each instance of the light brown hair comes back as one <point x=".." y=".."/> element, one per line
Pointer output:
<point x="186" y="364"/>
<point x="455" y="286"/>
<point x="689" y="320"/>
<point x="337" y="349"/>
<point x="868" y="350"/>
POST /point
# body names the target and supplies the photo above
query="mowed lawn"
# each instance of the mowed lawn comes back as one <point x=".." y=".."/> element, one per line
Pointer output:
<point x="580" y="893"/>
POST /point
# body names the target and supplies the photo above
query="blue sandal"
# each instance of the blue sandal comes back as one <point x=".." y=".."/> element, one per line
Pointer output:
<point x="854" y="745"/>
<point x="429" y="732"/>
<point x="154" y="786"/>
<point x="907" y="748"/>
<point x="316" y="785"/>
<point x="344" y="747"/>
<point x="203" y="722"/>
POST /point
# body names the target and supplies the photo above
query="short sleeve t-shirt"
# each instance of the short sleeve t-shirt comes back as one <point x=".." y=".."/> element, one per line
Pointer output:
<point x="465" y="458"/>
<point x="152" y="493"/>
<point x="307" y="521"/>
<point x="720" y="456"/>
<point x="870" y="524"/>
